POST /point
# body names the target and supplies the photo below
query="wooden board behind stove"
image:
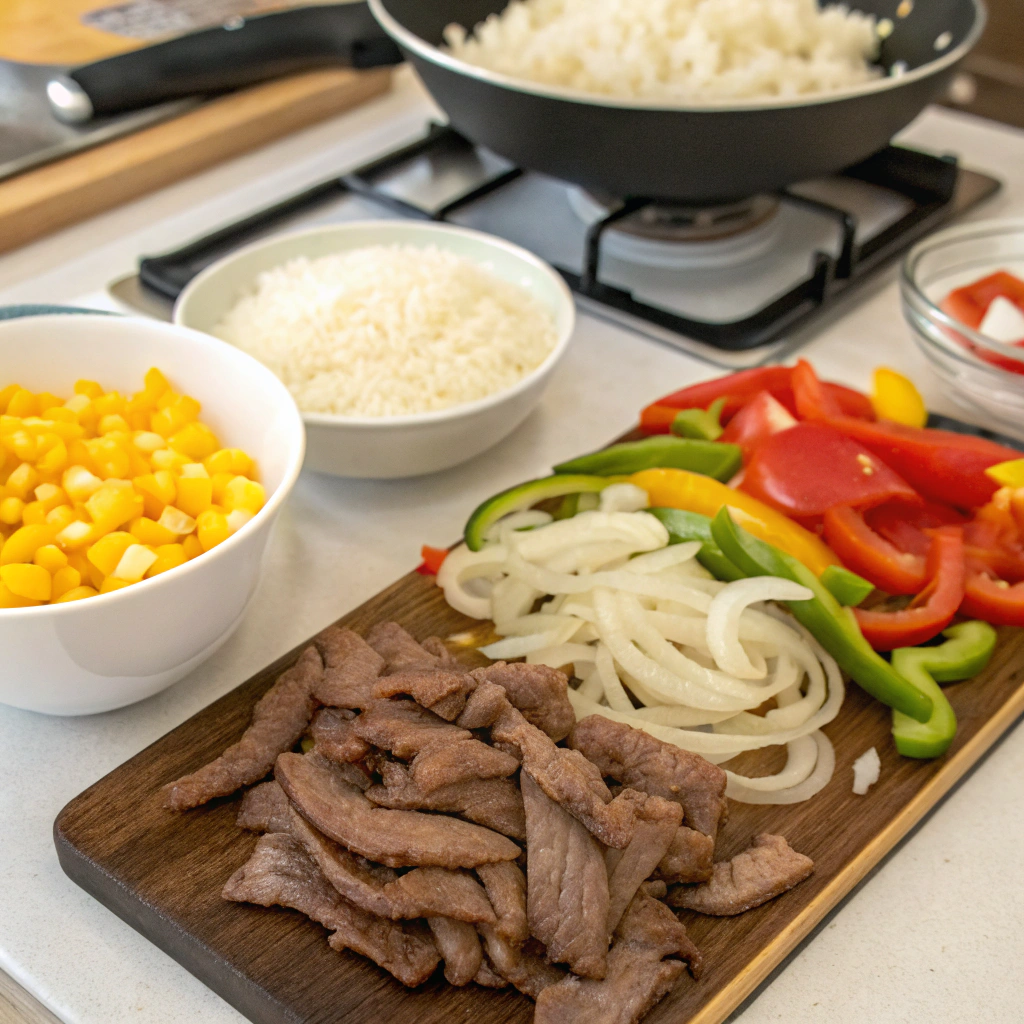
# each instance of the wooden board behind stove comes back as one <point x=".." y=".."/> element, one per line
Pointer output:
<point x="162" y="872"/>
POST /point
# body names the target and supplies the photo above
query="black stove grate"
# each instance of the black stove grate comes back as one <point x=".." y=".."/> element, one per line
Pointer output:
<point x="936" y="188"/>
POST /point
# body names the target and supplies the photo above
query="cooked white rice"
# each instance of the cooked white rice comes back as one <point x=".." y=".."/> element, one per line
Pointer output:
<point x="676" y="50"/>
<point x="390" y="330"/>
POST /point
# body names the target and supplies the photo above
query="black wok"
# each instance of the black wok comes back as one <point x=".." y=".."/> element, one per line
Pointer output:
<point x="698" y="155"/>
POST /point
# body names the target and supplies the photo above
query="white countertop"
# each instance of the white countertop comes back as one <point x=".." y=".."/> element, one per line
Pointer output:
<point x="936" y="934"/>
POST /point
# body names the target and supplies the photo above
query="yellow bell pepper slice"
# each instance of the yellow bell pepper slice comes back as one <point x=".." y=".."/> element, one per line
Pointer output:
<point x="1007" y="474"/>
<point x="895" y="398"/>
<point x="679" y="488"/>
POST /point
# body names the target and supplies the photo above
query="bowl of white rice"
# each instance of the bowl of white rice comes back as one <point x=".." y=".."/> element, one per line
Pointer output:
<point x="409" y="347"/>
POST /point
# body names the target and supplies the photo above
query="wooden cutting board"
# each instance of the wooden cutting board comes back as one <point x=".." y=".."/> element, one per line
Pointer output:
<point x="162" y="872"/>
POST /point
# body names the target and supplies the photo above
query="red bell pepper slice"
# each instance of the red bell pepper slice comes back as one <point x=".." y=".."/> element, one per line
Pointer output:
<point x="433" y="558"/>
<point x="865" y="552"/>
<point x="993" y="600"/>
<point x="761" y="417"/>
<point x="811" y="468"/>
<point x="940" y="465"/>
<point x="905" y="526"/>
<point x="933" y="609"/>
<point x="970" y="303"/>
<point x="813" y="402"/>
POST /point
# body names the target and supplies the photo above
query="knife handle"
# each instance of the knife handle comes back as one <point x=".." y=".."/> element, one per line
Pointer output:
<point x="242" y="52"/>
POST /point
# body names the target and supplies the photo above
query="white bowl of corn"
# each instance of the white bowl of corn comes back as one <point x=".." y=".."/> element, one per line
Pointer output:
<point x="142" y="468"/>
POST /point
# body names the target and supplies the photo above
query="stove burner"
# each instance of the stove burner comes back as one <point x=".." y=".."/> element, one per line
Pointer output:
<point x="684" y="237"/>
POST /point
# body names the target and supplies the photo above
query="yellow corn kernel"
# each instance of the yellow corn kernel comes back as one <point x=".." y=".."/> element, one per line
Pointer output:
<point x="238" y="518"/>
<point x="148" y="441"/>
<point x="110" y="459"/>
<point x="78" y="455"/>
<point x="137" y="464"/>
<point x="3" y="456"/>
<point x="220" y="483"/>
<point x="111" y="403"/>
<point x="22" y="545"/>
<point x="106" y="553"/>
<point x="110" y="584"/>
<point x="61" y="414"/>
<point x="78" y="404"/>
<point x="22" y="481"/>
<point x="55" y="460"/>
<point x="157" y="489"/>
<point x="192" y="547"/>
<point x="23" y="444"/>
<point x="168" y="556"/>
<point x="113" y="504"/>
<point x="79" y="484"/>
<point x="146" y="531"/>
<point x="46" y="400"/>
<point x="7" y="394"/>
<point x="195" y="470"/>
<point x="245" y="494"/>
<point x="64" y="581"/>
<point x="10" y="511"/>
<point x="76" y="595"/>
<point x="22" y="403"/>
<point x="50" y="557"/>
<point x="195" y="494"/>
<point x="90" y="388"/>
<point x="168" y="459"/>
<point x="113" y="422"/>
<point x="229" y="460"/>
<point x="74" y="535"/>
<point x="212" y="528"/>
<point x="176" y="521"/>
<point x="33" y="514"/>
<point x="60" y="517"/>
<point x="155" y="383"/>
<point x="196" y="440"/>
<point x="8" y="599"/>
<point x="29" y="581"/>
<point x="134" y="564"/>
<point x="51" y="496"/>
<point x="79" y="560"/>
<point x="170" y="419"/>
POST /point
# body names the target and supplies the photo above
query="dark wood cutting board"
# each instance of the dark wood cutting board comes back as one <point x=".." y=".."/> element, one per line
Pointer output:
<point x="162" y="872"/>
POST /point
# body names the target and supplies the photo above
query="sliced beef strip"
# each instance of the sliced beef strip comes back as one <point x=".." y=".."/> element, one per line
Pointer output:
<point x="567" y="777"/>
<point x="638" y="975"/>
<point x="442" y="690"/>
<point x="334" y="736"/>
<point x="395" y="838"/>
<point x="641" y="761"/>
<point x="656" y="825"/>
<point x="765" y="870"/>
<point x="398" y="648"/>
<point x="280" y="873"/>
<point x="431" y="891"/>
<point x="405" y="728"/>
<point x="488" y="977"/>
<point x="265" y="808"/>
<point x="350" y="668"/>
<point x="435" y="646"/>
<point x="459" y="945"/>
<point x="539" y="692"/>
<point x="519" y="965"/>
<point x="690" y="857"/>
<point x="278" y="720"/>
<point x="506" y="889"/>
<point x="567" y="885"/>
<point x="493" y="803"/>
<point x="483" y="706"/>
<point x="462" y="761"/>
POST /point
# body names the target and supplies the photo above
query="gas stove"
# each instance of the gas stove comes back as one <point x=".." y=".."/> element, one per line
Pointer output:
<point x="734" y="284"/>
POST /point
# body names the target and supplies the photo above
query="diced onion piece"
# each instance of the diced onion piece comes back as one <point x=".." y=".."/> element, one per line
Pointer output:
<point x="866" y="770"/>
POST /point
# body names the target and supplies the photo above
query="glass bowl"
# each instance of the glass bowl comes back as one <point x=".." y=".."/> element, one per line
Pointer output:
<point x="980" y="375"/>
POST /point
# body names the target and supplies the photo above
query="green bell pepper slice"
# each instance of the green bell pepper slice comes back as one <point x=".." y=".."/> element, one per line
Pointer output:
<point x="704" y="424"/>
<point x="846" y="587"/>
<point x="833" y="626"/>
<point x="967" y="650"/>
<point x="686" y="526"/>
<point x="709" y="458"/>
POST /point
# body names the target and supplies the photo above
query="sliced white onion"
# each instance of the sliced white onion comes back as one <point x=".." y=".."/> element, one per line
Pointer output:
<point x="737" y="788"/>
<point x="623" y="498"/>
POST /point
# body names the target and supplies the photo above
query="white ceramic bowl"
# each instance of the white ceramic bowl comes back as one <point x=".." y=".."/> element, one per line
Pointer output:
<point x="115" y="649"/>
<point x="396" y="446"/>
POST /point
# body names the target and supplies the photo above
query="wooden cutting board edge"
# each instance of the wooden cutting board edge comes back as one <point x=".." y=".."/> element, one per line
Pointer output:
<point x="76" y="187"/>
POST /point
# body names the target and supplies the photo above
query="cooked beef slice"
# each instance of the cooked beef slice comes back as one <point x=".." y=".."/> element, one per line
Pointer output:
<point x="280" y="873"/>
<point x="537" y="691"/>
<point x="506" y="889"/>
<point x="655" y="887"/>
<point x="768" y="868"/>
<point x="405" y="728"/>
<point x="657" y="822"/>
<point x="452" y="763"/>
<point x="641" y="761"/>
<point x="441" y="690"/>
<point x="350" y="668"/>
<point x="493" y="803"/>
<point x="435" y="646"/>
<point x="638" y="976"/>
<point x="525" y="969"/>
<point x="265" y="808"/>
<point x="335" y="738"/>
<point x="488" y="977"/>
<point x="431" y="891"/>
<point x="278" y="720"/>
<point x="483" y="706"/>
<point x="568" y="778"/>
<point x="460" y="950"/>
<point x="398" y="649"/>
<point x="395" y="838"/>
<point x="690" y="857"/>
<point x="567" y="885"/>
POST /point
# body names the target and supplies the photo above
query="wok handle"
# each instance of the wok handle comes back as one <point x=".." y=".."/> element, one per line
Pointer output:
<point x="239" y="53"/>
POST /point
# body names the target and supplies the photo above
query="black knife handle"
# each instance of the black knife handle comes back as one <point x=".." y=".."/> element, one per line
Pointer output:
<point x="242" y="52"/>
